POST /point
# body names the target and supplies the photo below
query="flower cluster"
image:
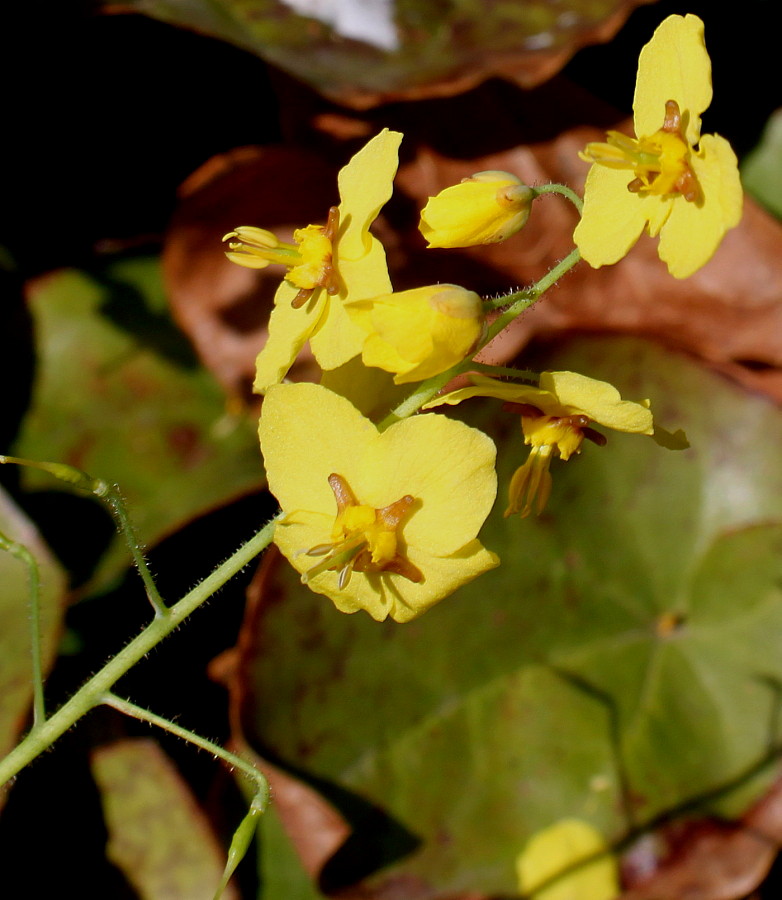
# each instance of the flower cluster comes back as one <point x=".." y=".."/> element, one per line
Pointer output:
<point x="383" y="514"/>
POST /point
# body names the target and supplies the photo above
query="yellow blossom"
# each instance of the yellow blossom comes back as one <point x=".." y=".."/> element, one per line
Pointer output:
<point x="555" y="419"/>
<point x="670" y="179"/>
<point x="327" y="267"/>
<point x="484" y="209"/>
<point x="568" y="860"/>
<point x="382" y="521"/>
<point x="418" y="333"/>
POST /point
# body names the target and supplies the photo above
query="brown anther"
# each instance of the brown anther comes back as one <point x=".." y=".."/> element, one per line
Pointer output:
<point x="342" y="492"/>
<point x="687" y="185"/>
<point x="391" y="516"/>
<point x="636" y="185"/>
<point x="302" y="297"/>
<point x="673" y="118"/>
<point x="595" y="436"/>
<point x="579" y="421"/>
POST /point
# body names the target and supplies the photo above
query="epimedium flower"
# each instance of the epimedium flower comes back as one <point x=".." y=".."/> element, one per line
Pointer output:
<point x="670" y="179"/>
<point x="328" y="266"/>
<point x="485" y="208"/>
<point x="555" y="419"/>
<point x="418" y="333"/>
<point x="381" y="521"/>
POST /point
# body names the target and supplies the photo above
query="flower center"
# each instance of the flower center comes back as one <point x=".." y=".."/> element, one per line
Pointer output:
<point x="363" y="539"/>
<point x="310" y="260"/>
<point x="660" y="163"/>
<point x="549" y="436"/>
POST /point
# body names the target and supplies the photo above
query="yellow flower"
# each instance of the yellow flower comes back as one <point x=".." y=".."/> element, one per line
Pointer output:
<point x="418" y="333"/>
<point x="555" y="419"/>
<point x="568" y="860"/>
<point x="484" y="209"/>
<point x="679" y="184"/>
<point x="328" y="266"/>
<point x="385" y="522"/>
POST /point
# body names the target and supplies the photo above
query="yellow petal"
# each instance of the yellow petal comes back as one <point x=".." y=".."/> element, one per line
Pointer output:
<point x="560" y="847"/>
<point x="599" y="400"/>
<point x="674" y="65"/>
<point x="387" y="594"/>
<point x="613" y="218"/>
<point x="448" y="466"/>
<point x="693" y="232"/>
<point x="307" y="433"/>
<point x="289" y="330"/>
<point x="370" y="390"/>
<point x="336" y="339"/>
<point x="365" y="185"/>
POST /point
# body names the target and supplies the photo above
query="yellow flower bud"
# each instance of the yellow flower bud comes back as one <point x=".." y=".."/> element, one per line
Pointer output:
<point x="418" y="333"/>
<point x="484" y="209"/>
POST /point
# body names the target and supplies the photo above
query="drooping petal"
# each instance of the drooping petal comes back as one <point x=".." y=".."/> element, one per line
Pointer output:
<point x="613" y="218"/>
<point x="563" y="394"/>
<point x="674" y="65"/>
<point x="447" y="466"/>
<point x="693" y="232"/>
<point x="599" y="400"/>
<point x="289" y="331"/>
<point x="365" y="186"/>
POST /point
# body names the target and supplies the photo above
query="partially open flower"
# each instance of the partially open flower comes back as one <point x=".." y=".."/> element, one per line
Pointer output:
<point x="382" y="521"/>
<point x="484" y="209"/>
<point x="418" y="333"/>
<point x="328" y="265"/>
<point x="555" y="419"/>
<point x="670" y="179"/>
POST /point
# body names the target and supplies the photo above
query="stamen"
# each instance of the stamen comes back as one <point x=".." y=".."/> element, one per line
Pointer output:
<point x="365" y="538"/>
<point x="327" y="277"/>
<point x="673" y="117"/>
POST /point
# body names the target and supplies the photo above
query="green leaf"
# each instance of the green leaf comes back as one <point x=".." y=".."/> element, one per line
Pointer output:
<point x="281" y="871"/>
<point x="119" y="395"/>
<point x="761" y="170"/>
<point x="158" y="836"/>
<point x="15" y="650"/>
<point x="625" y="658"/>
<point x="389" y="46"/>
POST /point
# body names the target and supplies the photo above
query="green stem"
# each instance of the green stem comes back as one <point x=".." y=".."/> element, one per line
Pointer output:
<point x="111" y="496"/>
<point x="519" y="301"/>
<point x="507" y="371"/>
<point x="110" y="493"/>
<point x="144" y="715"/>
<point x="564" y="191"/>
<point x="94" y="691"/>
<point x="34" y="580"/>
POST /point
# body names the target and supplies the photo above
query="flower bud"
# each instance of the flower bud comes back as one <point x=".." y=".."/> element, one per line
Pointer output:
<point x="484" y="209"/>
<point x="421" y="332"/>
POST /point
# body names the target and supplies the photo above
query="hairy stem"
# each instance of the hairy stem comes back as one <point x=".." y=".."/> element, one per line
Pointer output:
<point x="236" y="762"/>
<point x="34" y="580"/>
<point x="94" y="691"/>
<point x="519" y="301"/>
